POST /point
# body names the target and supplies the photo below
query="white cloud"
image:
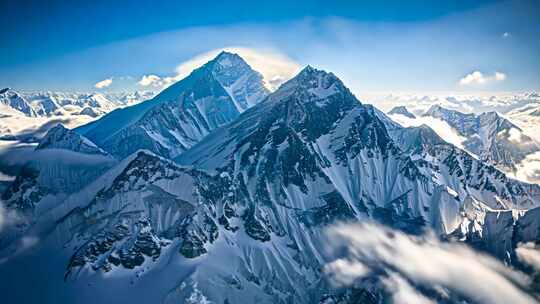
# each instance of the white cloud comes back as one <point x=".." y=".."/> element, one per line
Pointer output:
<point x="275" y="67"/>
<point x="500" y="76"/>
<point x="478" y="78"/>
<point x="104" y="83"/>
<point x="416" y="268"/>
<point x="528" y="169"/>
<point x="528" y="253"/>
<point x="150" y="80"/>
<point x="515" y="135"/>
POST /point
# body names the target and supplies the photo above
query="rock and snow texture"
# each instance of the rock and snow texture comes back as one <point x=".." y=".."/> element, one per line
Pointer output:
<point x="14" y="101"/>
<point x="490" y="136"/>
<point x="401" y="110"/>
<point x="182" y="114"/>
<point x="43" y="104"/>
<point x="240" y="215"/>
<point x="59" y="137"/>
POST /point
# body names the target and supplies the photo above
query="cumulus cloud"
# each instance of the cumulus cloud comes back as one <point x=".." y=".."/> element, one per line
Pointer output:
<point x="150" y="80"/>
<point x="478" y="78"/>
<point x="104" y="83"/>
<point x="420" y="269"/>
<point x="275" y="67"/>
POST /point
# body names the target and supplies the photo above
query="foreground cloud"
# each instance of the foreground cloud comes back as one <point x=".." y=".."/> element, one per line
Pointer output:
<point x="478" y="78"/>
<point x="420" y="269"/>
<point x="529" y="253"/>
<point x="275" y="67"/>
<point x="529" y="168"/>
<point x="104" y="83"/>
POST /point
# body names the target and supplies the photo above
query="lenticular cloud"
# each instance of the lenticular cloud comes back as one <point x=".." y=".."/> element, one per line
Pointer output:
<point x="421" y="269"/>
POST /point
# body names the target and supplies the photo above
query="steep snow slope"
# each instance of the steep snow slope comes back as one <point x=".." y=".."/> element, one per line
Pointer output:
<point x="182" y="114"/>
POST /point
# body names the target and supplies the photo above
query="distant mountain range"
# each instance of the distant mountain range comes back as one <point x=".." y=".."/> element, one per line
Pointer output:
<point x="35" y="104"/>
<point x="490" y="136"/>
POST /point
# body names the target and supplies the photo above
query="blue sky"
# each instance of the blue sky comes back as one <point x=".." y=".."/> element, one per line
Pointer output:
<point x="375" y="46"/>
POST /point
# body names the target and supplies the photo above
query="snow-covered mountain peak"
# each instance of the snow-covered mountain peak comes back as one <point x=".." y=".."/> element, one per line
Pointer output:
<point x="59" y="137"/>
<point x="14" y="101"/>
<point x="501" y="122"/>
<point x="437" y="110"/>
<point x="401" y="110"/>
<point x="227" y="60"/>
<point x="182" y="114"/>
<point x="312" y="85"/>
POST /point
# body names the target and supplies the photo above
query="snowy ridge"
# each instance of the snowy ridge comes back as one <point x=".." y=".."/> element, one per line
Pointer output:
<point x="59" y="137"/>
<point x="182" y="114"/>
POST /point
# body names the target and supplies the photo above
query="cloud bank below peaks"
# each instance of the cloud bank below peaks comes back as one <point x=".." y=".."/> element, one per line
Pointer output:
<point x="420" y="269"/>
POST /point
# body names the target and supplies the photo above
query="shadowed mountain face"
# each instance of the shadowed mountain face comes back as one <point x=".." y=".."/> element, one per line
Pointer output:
<point x="232" y="196"/>
<point x="182" y="114"/>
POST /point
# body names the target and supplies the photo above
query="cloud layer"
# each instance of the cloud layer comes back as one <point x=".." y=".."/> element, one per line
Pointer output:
<point x="420" y="269"/>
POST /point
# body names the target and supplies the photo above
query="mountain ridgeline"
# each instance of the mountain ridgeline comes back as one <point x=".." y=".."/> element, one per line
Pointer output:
<point x="177" y="118"/>
<point x="222" y="191"/>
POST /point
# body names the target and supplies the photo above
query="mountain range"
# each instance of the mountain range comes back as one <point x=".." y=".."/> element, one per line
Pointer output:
<point x="217" y="190"/>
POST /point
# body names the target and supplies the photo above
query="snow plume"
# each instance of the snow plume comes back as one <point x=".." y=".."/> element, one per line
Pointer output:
<point x="420" y="269"/>
<point x="478" y="78"/>
<point x="275" y="67"/>
<point x="104" y="83"/>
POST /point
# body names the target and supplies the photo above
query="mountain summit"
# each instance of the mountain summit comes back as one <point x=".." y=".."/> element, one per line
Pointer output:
<point x="59" y="137"/>
<point x="182" y="114"/>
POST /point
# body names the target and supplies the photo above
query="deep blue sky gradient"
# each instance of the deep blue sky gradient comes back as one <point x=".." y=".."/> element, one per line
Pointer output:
<point x="39" y="36"/>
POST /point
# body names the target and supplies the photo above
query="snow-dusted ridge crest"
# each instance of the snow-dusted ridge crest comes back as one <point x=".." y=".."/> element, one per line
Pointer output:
<point x="182" y="114"/>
